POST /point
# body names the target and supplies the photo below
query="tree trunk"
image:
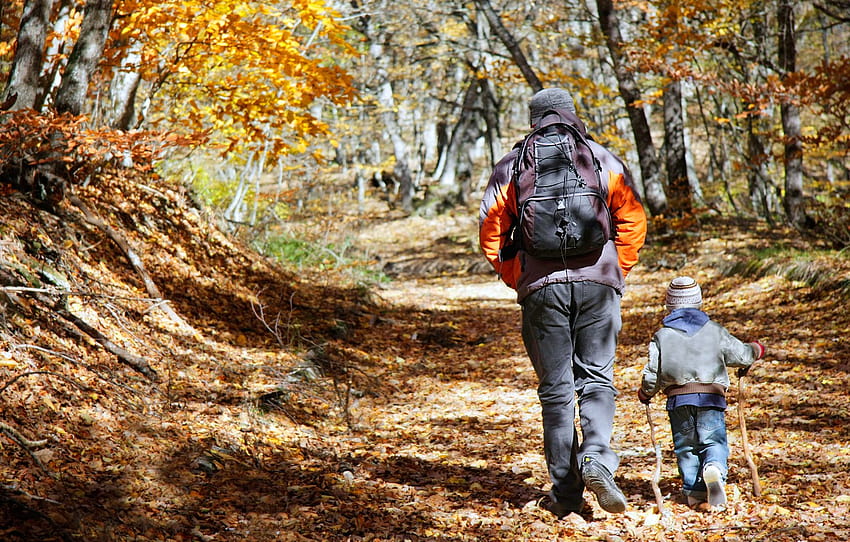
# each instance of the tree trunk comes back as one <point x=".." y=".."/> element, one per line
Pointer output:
<point x="401" y="170"/>
<point x="490" y="113"/>
<point x="462" y="137"/>
<point x="510" y="43"/>
<point x="29" y="54"/>
<point x="56" y="56"/>
<point x="793" y="200"/>
<point x="761" y="195"/>
<point x="123" y="89"/>
<point x="648" y="156"/>
<point x="693" y="176"/>
<point x="84" y="57"/>
<point x="235" y="212"/>
<point x="678" y="187"/>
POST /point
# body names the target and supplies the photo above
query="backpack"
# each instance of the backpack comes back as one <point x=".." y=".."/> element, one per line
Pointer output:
<point x="561" y="202"/>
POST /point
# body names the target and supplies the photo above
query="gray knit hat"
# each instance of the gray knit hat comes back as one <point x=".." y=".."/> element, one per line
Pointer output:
<point x="683" y="292"/>
<point x="548" y="99"/>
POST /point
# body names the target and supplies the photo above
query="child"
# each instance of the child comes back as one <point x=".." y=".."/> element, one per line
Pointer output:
<point x="688" y="357"/>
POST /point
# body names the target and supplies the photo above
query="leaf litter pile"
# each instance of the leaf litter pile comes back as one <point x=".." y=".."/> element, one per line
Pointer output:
<point x="288" y="406"/>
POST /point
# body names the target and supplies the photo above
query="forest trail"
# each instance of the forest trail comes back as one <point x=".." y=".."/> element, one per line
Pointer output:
<point x="297" y="408"/>
<point x="477" y="409"/>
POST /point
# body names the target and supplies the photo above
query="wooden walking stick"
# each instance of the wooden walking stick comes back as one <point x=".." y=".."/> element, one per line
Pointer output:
<point x="656" y="476"/>
<point x="754" y="473"/>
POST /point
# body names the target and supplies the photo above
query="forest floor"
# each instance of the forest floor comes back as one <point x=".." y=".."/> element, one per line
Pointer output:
<point x="289" y="405"/>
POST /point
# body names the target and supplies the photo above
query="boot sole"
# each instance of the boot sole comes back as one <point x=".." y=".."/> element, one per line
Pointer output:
<point x="609" y="496"/>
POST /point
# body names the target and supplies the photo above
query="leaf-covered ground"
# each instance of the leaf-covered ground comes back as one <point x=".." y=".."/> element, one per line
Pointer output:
<point x="290" y="406"/>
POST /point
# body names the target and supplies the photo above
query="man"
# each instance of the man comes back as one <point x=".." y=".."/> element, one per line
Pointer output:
<point x="570" y="318"/>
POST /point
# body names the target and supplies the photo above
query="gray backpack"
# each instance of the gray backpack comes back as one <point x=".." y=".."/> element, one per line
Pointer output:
<point x="561" y="200"/>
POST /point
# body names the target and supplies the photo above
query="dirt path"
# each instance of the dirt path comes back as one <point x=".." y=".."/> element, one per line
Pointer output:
<point x="338" y="419"/>
<point x="460" y="441"/>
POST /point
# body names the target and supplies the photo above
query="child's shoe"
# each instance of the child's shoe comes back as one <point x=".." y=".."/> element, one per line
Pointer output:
<point x="714" y="483"/>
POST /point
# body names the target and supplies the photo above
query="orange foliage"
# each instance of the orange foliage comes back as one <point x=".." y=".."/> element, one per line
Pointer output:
<point x="247" y="71"/>
<point x="30" y="140"/>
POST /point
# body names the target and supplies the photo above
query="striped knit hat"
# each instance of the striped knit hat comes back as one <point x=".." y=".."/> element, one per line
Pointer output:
<point x="683" y="292"/>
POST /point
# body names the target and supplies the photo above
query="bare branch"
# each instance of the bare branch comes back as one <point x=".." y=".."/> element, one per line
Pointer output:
<point x="15" y="435"/>
<point x="131" y="255"/>
<point x="31" y="373"/>
<point x="71" y="359"/>
<point x="136" y="362"/>
<point x="827" y="10"/>
<point x="18" y="491"/>
<point x="510" y="43"/>
<point x="26" y="445"/>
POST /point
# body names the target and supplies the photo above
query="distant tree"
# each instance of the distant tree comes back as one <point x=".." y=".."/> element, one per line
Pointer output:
<point x="401" y="167"/>
<point x="85" y="57"/>
<point x="510" y="43"/>
<point x="790" y="111"/>
<point x="478" y="106"/>
<point x="679" y="192"/>
<point x="477" y="116"/>
<point x="656" y="199"/>
<point x="124" y="88"/>
<point x="29" y="54"/>
<point x="671" y="27"/>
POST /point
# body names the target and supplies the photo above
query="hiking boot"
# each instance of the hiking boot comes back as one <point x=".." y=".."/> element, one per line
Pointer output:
<point x="716" y="489"/>
<point x="560" y="510"/>
<point x="601" y="482"/>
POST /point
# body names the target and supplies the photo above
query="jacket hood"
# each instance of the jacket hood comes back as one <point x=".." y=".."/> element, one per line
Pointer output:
<point x="687" y="320"/>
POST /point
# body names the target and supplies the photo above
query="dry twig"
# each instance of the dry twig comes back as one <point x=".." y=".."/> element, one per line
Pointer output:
<point x="754" y="473"/>
<point x="656" y="476"/>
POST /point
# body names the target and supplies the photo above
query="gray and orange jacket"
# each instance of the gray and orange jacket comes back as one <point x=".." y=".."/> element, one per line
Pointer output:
<point x="609" y="265"/>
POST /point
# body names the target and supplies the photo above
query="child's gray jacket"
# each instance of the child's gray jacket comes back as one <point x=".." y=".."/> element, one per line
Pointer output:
<point x="693" y="359"/>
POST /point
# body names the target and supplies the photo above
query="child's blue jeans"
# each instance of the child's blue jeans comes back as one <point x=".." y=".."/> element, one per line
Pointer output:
<point x="699" y="439"/>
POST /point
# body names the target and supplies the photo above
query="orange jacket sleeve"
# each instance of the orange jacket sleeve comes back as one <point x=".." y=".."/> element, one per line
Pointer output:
<point x="497" y="216"/>
<point x="629" y="218"/>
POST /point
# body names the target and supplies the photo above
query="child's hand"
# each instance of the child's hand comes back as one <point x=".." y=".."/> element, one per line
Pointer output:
<point x="758" y="349"/>
<point x="643" y="398"/>
<point x="742" y="371"/>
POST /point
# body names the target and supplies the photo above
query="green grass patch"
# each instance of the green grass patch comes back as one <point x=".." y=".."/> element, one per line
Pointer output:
<point x="308" y="255"/>
<point x="822" y="270"/>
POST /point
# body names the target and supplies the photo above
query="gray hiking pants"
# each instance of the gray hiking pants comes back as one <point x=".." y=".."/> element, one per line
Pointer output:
<point x="570" y="333"/>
